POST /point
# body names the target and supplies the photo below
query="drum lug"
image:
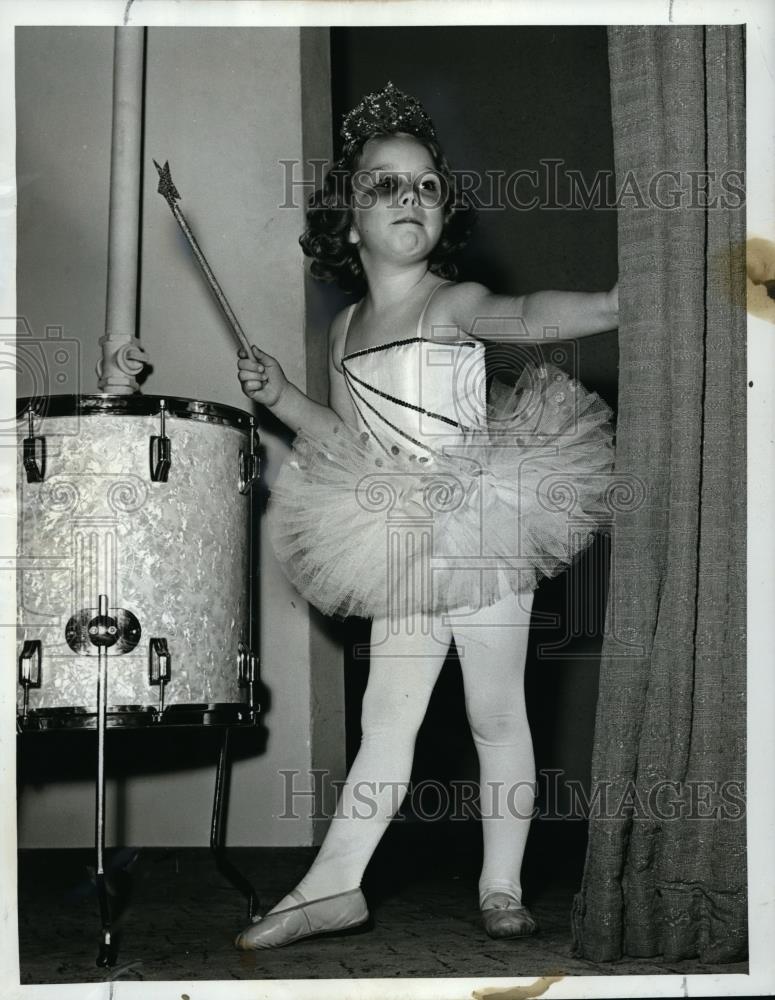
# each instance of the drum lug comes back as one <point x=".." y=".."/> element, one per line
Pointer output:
<point x="29" y="669"/>
<point x="161" y="449"/>
<point x="248" y="665"/>
<point x="248" y="470"/>
<point x="159" y="667"/>
<point x="249" y="465"/>
<point x="34" y="453"/>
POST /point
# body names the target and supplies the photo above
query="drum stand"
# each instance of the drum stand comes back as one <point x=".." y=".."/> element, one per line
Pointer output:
<point x="103" y="632"/>
<point x="217" y="829"/>
<point x="89" y="560"/>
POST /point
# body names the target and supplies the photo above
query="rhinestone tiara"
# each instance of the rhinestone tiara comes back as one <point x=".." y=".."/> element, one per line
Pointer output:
<point x="383" y="112"/>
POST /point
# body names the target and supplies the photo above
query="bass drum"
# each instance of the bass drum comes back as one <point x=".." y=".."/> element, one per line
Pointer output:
<point x="146" y="500"/>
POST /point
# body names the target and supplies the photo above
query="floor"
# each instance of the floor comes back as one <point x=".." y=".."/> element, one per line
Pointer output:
<point x="179" y="916"/>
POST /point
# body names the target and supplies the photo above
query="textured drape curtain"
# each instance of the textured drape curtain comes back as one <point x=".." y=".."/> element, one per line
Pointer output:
<point x="665" y="871"/>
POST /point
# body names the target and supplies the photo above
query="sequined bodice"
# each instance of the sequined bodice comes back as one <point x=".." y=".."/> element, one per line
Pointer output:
<point x="418" y="394"/>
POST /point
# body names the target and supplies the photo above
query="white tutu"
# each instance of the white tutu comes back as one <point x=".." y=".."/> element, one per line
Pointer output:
<point x="361" y="532"/>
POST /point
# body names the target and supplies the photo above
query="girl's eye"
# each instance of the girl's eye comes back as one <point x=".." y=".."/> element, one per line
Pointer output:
<point x="430" y="184"/>
<point x="385" y="184"/>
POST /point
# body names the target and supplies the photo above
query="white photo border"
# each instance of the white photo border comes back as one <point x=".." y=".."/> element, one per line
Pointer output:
<point x="759" y="16"/>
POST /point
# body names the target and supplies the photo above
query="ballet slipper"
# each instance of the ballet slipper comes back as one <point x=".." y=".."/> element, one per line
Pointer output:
<point x="504" y="917"/>
<point x="316" y="916"/>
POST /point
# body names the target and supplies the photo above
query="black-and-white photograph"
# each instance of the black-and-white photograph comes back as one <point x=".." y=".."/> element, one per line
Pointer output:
<point x="382" y="534"/>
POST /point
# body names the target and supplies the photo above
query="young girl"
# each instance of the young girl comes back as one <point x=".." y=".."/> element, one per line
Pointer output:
<point x="416" y="501"/>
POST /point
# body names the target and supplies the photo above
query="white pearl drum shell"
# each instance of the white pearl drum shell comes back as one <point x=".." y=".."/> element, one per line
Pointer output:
<point x="175" y="554"/>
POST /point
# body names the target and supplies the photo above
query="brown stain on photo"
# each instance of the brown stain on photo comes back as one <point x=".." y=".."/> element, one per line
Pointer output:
<point x="760" y="278"/>
<point x="535" y="989"/>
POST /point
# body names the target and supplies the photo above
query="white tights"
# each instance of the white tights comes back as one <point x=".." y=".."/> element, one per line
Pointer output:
<point x="405" y="661"/>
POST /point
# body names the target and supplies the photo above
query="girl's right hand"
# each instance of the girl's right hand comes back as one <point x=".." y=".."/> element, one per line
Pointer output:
<point x="261" y="376"/>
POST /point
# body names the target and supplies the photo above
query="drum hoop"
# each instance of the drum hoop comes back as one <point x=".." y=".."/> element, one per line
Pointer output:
<point x="136" y="405"/>
<point x="68" y="719"/>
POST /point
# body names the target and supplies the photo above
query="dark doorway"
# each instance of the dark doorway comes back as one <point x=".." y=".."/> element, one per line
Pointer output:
<point x="505" y="100"/>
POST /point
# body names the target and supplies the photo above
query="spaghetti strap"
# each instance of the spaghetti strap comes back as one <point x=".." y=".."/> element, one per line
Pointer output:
<point x="347" y="320"/>
<point x="425" y="307"/>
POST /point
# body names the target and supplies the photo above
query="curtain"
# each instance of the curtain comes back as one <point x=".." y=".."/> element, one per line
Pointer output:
<point x="665" y="871"/>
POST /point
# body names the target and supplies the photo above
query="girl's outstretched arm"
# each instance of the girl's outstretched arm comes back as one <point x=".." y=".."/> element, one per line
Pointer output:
<point x="533" y="317"/>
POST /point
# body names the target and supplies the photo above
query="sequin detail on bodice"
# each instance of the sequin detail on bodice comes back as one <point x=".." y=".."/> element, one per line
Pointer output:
<point x="418" y="395"/>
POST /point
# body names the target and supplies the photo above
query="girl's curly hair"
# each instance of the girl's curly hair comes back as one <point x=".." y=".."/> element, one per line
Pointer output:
<point x="329" y="216"/>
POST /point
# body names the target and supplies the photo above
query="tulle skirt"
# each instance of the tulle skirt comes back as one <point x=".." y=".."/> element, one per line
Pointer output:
<point x="361" y="531"/>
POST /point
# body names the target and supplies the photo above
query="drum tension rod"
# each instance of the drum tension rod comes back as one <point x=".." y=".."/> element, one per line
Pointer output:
<point x="248" y="674"/>
<point x="34" y="452"/>
<point x="248" y="462"/>
<point x="29" y="670"/>
<point x="159" y="668"/>
<point x="161" y="449"/>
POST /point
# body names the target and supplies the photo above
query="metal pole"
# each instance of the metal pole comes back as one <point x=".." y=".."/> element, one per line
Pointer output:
<point x="102" y="702"/>
<point x="122" y="354"/>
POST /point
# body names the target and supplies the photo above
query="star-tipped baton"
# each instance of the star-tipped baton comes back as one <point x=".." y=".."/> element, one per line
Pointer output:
<point x="170" y="193"/>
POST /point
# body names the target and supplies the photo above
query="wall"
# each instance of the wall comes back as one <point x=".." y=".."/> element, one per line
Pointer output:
<point x="225" y="107"/>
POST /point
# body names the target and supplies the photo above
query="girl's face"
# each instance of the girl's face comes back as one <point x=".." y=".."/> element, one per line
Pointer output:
<point x="398" y="201"/>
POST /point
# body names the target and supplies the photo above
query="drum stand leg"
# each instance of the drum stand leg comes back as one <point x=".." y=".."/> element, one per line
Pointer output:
<point x="106" y="955"/>
<point x="103" y="631"/>
<point x="217" y="827"/>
